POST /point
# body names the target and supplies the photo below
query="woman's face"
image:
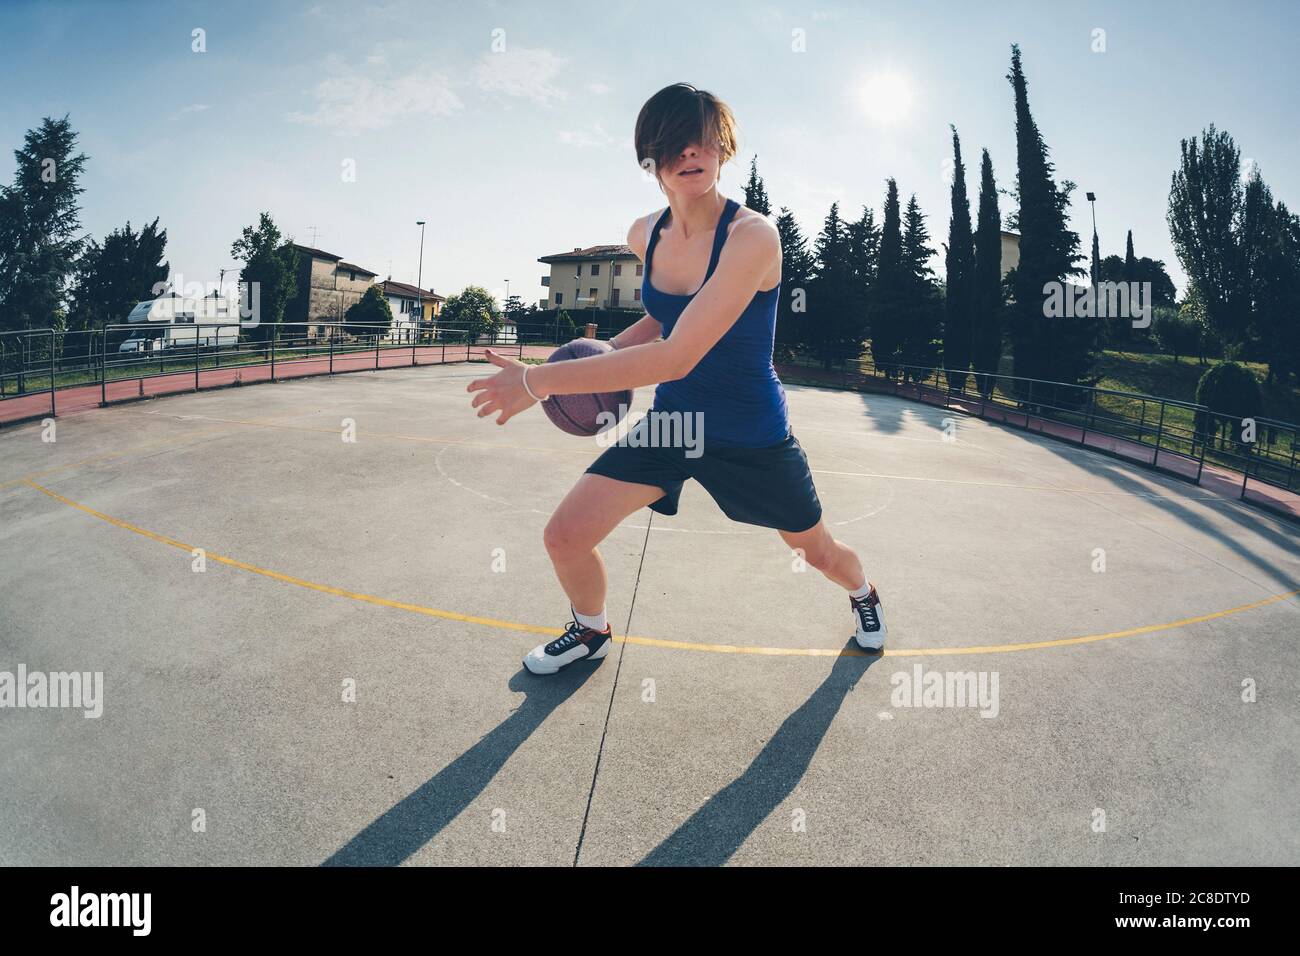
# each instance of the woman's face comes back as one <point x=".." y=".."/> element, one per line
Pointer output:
<point x="693" y="173"/>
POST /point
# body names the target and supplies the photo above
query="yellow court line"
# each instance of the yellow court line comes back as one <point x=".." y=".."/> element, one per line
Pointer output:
<point x="650" y="641"/>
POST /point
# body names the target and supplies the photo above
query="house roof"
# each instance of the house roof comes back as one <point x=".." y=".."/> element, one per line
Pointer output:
<point x="592" y="252"/>
<point x="355" y="268"/>
<point x="403" y="288"/>
<point x="317" y="253"/>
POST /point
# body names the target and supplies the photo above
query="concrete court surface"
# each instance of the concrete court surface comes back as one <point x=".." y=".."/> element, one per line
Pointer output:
<point x="727" y="727"/>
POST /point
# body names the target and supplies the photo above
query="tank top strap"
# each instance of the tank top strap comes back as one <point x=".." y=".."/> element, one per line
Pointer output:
<point x="720" y="237"/>
<point x="654" y="240"/>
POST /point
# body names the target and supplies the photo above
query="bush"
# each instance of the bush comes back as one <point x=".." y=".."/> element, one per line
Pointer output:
<point x="1231" y="394"/>
<point x="368" y="312"/>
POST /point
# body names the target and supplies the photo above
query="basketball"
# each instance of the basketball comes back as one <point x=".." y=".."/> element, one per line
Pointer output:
<point x="585" y="414"/>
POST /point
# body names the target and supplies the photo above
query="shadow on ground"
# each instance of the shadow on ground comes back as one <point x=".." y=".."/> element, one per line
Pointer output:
<point x="716" y="830"/>
<point x="407" y="827"/>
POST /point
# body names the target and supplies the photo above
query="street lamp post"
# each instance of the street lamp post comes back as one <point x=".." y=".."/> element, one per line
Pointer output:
<point x="1096" y="249"/>
<point x="419" y="277"/>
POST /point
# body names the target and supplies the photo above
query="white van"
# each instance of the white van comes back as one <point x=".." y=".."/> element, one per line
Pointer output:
<point x="174" y="322"/>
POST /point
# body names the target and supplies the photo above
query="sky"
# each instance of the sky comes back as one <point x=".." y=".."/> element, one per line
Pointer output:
<point x="508" y="126"/>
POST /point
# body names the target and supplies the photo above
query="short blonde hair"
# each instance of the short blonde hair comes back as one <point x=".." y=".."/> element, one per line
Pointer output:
<point x="678" y="116"/>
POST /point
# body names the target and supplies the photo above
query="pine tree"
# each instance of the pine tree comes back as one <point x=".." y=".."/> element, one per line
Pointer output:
<point x="111" y="279"/>
<point x="959" y="267"/>
<point x="864" y="250"/>
<point x="1045" y="347"/>
<point x="755" y="191"/>
<point x="923" y="308"/>
<point x="888" y="292"/>
<point x="796" y="274"/>
<point x="835" y="309"/>
<point x="986" y="347"/>
<point x="39" y="225"/>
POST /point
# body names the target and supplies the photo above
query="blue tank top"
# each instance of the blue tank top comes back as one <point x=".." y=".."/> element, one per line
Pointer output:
<point x="734" y="385"/>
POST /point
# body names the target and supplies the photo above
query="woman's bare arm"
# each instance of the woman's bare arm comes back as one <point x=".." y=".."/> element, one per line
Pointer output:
<point x="746" y="258"/>
<point x="644" y="329"/>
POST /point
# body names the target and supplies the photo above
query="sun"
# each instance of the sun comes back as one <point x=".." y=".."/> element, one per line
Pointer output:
<point x="886" y="98"/>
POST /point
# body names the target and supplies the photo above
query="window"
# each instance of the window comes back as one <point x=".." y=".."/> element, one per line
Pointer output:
<point x="352" y="276"/>
<point x="618" y="268"/>
<point x="613" y="301"/>
<point x="592" y="295"/>
<point x="636" y="295"/>
<point x="559" y="298"/>
<point x="579" y="272"/>
<point x="595" y="268"/>
<point x="639" y="267"/>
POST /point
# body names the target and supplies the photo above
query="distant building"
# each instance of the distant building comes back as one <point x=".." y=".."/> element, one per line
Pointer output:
<point x="598" y="277"/>
<point x="1010" y="251"/>
<point x="413" y="309"/>
<point x="327" y="288"/>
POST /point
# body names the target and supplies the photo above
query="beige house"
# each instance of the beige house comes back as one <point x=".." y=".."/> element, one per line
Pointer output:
<point x="1010" y="251"/>
<point x="327" y="288"/>
<point x="598" y="277"/>
<point x="414" y="309"/>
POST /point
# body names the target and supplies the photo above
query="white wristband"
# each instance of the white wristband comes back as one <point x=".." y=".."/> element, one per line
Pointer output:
<point x="527" y="389"/>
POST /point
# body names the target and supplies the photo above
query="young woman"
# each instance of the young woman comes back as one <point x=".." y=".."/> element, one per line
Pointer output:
<point x="710" y="288"/>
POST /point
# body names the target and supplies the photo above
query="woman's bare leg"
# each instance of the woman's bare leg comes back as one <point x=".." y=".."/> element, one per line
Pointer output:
<point x="835" y="559"/>
<point x="589" y="512"/>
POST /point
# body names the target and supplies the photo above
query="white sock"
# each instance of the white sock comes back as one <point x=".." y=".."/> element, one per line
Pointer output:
<point x="862" y="591"/>
<point x="594" y="621"/>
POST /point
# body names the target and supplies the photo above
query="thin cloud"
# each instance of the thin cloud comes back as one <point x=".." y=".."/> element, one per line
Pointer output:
<point x="351" y="101"/>
<point x="594" y="136"/>
<point x="522" y="73"/>
<point x="192" y="108"/>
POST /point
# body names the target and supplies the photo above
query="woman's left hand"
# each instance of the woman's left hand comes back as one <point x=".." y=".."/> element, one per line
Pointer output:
<point x="503" y="392"/>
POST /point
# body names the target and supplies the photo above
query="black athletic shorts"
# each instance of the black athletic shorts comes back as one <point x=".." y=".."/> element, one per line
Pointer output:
<point x="771" y="487"/>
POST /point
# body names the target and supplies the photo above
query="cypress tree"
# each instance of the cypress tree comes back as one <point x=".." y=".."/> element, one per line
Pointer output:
<point x="887" y="293"/>
<point x="986" y="348"/>
<point x="1045" y="347"/>
<point x="959" y="265"/>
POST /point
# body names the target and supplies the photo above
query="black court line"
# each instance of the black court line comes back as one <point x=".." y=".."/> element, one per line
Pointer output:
<point x="600" y="751"/>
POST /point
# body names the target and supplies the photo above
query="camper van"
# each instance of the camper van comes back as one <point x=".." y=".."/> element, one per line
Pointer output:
<point x="175" y="322"/>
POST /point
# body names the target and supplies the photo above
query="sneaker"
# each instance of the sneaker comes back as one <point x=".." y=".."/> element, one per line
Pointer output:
<point x="870" y="619"/>
<point x="579" y="643"/>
